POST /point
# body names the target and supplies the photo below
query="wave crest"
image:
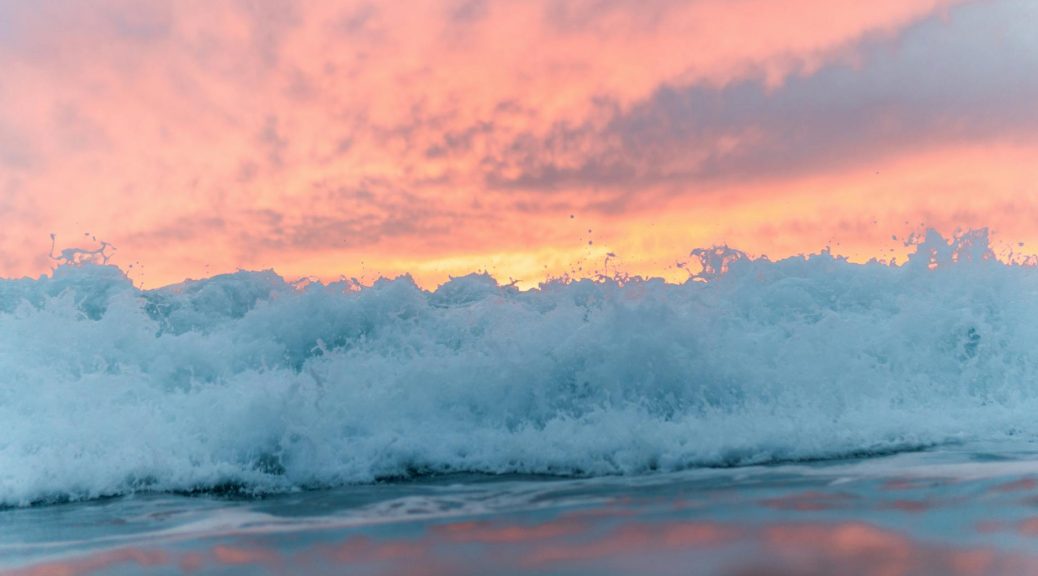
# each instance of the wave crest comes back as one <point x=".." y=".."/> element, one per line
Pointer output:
<point x="247" y="380"/>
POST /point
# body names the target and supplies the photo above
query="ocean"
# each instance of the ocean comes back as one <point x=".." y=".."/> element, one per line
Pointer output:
<point x="803" y="416"/>
<point x="951" y="511"/>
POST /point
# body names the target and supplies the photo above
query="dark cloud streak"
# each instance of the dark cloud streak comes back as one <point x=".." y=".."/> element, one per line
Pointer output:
<point x="940" y="82"/>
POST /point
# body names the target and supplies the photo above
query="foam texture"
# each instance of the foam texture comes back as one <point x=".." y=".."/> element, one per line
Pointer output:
<point x="251" y="382"/>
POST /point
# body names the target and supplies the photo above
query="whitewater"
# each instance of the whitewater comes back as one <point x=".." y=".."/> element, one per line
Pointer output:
<point x="251" y="384"/>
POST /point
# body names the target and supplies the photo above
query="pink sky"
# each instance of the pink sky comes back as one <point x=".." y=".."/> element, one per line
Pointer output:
<point x="442" y="137"/>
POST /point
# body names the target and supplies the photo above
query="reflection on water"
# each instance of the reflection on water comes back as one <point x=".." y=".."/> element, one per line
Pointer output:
<point x="773" y="523"/>
<point x="569" y="545"/>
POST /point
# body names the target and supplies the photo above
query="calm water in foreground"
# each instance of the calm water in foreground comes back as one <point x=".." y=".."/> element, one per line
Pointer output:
<point x="960" y="510"/>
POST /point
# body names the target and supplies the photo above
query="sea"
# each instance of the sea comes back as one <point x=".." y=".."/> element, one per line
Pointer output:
<point x="809" y="415"/>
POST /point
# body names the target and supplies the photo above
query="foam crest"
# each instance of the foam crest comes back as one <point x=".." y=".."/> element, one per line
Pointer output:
<point x="246" y="381"/>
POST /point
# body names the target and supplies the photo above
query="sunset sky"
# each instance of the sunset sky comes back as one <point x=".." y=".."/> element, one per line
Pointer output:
<point x="528" y="138"/>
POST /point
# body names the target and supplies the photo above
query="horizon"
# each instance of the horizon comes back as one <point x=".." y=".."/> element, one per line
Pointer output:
<point x="700" y="265"/>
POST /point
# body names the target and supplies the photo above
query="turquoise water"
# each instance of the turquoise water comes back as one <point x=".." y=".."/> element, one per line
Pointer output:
<point x="805" y="416"/>
<point x="246" y="380"/>
<point x="970" y="509"/>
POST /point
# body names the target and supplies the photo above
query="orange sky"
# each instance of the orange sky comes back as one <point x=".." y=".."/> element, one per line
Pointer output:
<point x="438" y="137"/>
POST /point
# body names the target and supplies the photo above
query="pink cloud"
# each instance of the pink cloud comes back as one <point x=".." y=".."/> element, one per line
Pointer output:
<point x="148" y="123"/>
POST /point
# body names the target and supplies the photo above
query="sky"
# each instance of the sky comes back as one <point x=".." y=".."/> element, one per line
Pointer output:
<point x="528" y="138"/>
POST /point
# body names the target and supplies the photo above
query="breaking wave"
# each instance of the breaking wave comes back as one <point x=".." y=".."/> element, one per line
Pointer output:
<point x="248" y="381"/>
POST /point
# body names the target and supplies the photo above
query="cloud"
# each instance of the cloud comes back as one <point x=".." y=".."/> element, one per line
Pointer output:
<point x="942" y="81"/>
<point x="447" y="120"/>
<point x="273" y="141"/>
<point x="15" y="149"/>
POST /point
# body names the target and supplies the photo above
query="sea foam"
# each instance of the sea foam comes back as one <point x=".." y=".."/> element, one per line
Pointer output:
<point x="249" y="382"/>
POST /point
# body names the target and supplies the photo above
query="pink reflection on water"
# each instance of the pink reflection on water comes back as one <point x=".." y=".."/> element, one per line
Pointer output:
<point x="191" y="562"/>
<point x="495" y="533"/>
<point x="365" y="555"/>
<point x="231" y="556"/>
<point x="907" y="505"/>
<point x="810" y="501"/>
<point x="363" y="549"/>
<point x="1021" y="485"/>
<point x="592" y="543"/>
<point x="899" y="484"/>
<point x="634" y="539"/>
<point x="95" y="563"/>
<point x="859" y="548"/>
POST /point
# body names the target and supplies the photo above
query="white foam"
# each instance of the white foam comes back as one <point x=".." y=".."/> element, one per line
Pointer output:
<point x="246" y="379"/>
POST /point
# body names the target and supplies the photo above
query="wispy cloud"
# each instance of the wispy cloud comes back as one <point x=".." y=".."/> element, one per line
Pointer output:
<point x="452" y="127"/>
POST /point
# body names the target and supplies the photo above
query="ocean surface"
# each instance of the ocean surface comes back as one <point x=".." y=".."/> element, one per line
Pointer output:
<point x="963" y="510"/>
<point x="802" y="416"/>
